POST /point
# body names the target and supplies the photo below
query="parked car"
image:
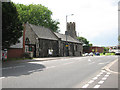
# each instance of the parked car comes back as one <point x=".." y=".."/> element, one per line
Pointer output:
<point x="117" y="53"/>
<point x="97" y="54"/>
<point x="86" y="54"/>
<point x="91" y="54"/>
<point x="4" y="54"/>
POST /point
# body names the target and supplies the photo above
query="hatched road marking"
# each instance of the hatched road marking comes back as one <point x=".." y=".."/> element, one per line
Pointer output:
<point x="96" y="86"/>
<point x="100" y="82"/>
<point x="85" y="86"/>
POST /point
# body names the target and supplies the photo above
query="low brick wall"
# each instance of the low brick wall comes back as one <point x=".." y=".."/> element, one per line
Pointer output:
<point x="15" y="53"/>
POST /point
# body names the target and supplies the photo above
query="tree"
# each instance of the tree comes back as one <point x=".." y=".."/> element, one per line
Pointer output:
<point x="84" y="41"/>
<point x="11" y="25"/>
<point x="106" y="49"/>
<point x="37" y="15"/>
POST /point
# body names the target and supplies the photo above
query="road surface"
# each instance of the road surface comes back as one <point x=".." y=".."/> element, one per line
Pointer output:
<point x="73" y="72"/>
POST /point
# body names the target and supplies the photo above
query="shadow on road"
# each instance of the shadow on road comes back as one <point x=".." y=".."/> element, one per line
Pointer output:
<point x="18" y="69"/>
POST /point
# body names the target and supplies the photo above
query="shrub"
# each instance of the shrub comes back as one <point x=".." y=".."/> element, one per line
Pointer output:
<point x="26" y="55"/>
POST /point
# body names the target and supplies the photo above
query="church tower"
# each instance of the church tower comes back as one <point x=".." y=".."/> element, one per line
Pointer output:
<point x="71" y="29"/>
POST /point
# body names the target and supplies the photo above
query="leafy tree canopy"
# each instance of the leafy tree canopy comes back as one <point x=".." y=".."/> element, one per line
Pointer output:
<point x="106" y="49"/>
<point x="37" y="15"/>
<point x="11" y="25"/>
<point x="84" y="41"/>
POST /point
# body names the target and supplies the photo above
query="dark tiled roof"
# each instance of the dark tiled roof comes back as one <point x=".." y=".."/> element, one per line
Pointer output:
<point x="69" y="38"/>
<point x="43" y="32"/>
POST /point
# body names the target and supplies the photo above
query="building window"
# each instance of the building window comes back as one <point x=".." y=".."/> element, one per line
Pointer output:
<point x="27" y="41"/>
<point x="26" y="48"/>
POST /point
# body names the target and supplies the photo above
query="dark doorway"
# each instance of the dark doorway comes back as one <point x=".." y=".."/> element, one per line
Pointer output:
<point x="34" y="54"/>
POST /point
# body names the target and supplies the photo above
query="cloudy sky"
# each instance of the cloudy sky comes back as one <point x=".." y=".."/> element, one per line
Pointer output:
<point x="96" y="20"/>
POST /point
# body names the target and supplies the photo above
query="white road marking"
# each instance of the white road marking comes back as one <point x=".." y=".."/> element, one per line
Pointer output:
<point x="36" y="62"/>
<point x="19" y="66"/>
<point x="95" y="78"/>
<point x="2" y="77"/>
<point x="85" y="86"/>
<point x="101" y="63"/>
<point x="68" y="63"/>
<point x="103" y="71"/>
<point x="104" y="78"/>
<point x="91" y="81"/>
<point x="96" y="86"/>
<point x="100" y="82"/>
<point x="50" y="67"/>
<point x="31" y="71"/>
<point x="7" y="68"/>
<point x="98" y="75"/>
<point x="89" y="60"/>
<point x="13" y="67"/>
<point x="106" y="75"/>
<point x="39" y="69"/>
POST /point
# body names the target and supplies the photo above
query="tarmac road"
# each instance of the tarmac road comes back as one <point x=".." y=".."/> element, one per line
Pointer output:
<point x="72" y="72"/>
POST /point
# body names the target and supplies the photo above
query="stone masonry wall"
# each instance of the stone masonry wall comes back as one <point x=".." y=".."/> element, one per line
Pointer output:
<point x="45" y="45"/>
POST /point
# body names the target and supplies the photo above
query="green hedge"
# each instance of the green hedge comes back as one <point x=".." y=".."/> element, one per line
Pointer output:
<point x="107" y="54"/>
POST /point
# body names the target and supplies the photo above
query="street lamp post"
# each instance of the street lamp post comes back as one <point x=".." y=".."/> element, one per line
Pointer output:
<point x="67" y="34"/>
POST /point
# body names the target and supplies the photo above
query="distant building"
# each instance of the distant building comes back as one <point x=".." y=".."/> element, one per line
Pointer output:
<point x="114" y="48"/>
<point x="93" y="49"/>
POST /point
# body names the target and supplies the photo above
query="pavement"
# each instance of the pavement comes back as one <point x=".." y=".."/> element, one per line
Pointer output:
<point x="112" y="81"/>
<point x="11" y="62"/>
<point x="36" y="59"/>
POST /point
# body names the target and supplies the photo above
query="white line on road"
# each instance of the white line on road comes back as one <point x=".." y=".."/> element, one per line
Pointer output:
<point x="95" y="78"/>
<point x="68" y="63"/>
<point x="85" y="86"/>
<point x="36" y="62"/>
<point x="106" y="75"/>
<point x="98" y="75"/>
<point x="101" y="63"/>
<point x="19" y="66"/>
<point x="89" y="60"/>
<point x="104" y="78"/>
<point x="100" y="82"/>
<point x="31" y="71"/>
<point x="50" y="67"/>
<point x="96" y="86"/>
<point x="7" y="68"/>
<point x="39" y="69"/>
<point x="13" y="67"/>
<point x="2" y="77"/>
<point x="91" y="81"/>
<point x="103" y="71"/>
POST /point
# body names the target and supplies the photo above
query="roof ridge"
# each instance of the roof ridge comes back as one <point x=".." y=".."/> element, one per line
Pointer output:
<point x="36" y="28"/>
